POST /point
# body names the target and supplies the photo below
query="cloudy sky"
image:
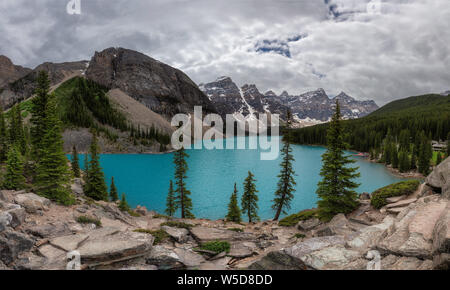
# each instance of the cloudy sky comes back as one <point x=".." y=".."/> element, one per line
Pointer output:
<point x="371" y="49"/>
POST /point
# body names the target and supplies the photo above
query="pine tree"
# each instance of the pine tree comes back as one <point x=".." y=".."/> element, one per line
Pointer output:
<point x="404" y="162"/>
<point x="123" y="205"/>
<point x="182" y="194"/>
<point x="113" y="194"/>
<point x="52" y="171"/>
<point x="336" y="190"/>
<point x="75" y="163"/>
<point x="249" y="200"/>
<point x="95" y="186"/>
<point x="171" y="205"/>
<point x="286" y="183"/>
<point x="14" y="179"/>
<point x="394" y="154"/>
<point x="448" y="145"/>
<point x="413" y="165"/>
<point x="234" y="213"/>
<point x="3" y="137"/>
<point x="38" y="111"/>
<point x="86" y="168"/>
<point x="425" y="155"/>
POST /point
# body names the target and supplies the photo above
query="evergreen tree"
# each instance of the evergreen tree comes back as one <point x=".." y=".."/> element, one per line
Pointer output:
<point x="249" y="200"/>
<point x="75" y="163"/>
<point x="38" y="111"/>
<point x="425" y="155"/>
<point x="404" y="162"/>
<point x="86" y="168"/>
<point x="234" y="213"/>
<point x="52" y="171"/>
<point x="123" y="205"/>
<point x="16" y="130"/>
<point x="14" y="179"/>
<point x="171" y="205"/>
<point x="3" y="137"/>
<point x="413" y="165"/>
<point x="438" y="158"/>
<point x="394" y="155"/>
<point x="286" y="183"/>
<point x="95" y="186"/>
<point x="448" y="144"/>
<point x="182" y="194"/>
<point x="336" y="190"/>
<point x="113" y="194"/>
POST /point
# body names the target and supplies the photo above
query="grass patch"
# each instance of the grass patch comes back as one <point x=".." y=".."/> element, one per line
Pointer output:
<point x="216" y="246"/>
<point x="299" y="236"/>
<point x="293" y="219"/>
<point x="175" y="224"/>
<point x="379" y="196"/>
<point x="133" y="213"/>
<point x="89" y="220"/>
<point x="159" y="235"/>
<point x="238" y="230"/>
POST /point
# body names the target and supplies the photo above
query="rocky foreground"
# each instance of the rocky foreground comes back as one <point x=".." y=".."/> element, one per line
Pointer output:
<point x="411" y="232"/>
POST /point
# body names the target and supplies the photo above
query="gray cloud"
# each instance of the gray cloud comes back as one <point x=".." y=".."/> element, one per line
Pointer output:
<point x="398" y="51"/>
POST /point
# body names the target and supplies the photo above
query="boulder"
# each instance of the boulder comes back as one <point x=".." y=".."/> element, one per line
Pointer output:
<point x="12" y="244"/>
<point x="5" y="220"/>
<point x="440" y="176"/>
<point x="32" y="202"/>
<point x="179" y="234"/>
<point x="337" y="226"/>
<point x="242" y="250"/>
<point x="18" y="216"/>
<point x="142" y="210"/>
<point x="441" y="233"/>
<point x="55" y="259"/>
<point x="49" y="230"/>
<point x="308" y="224"/>
<point x="278" y="260"/>
<point x="441" y="261"/>
<point x="206" y="234"/>
<point x="219" y="264"/>
<point x="189" y="258"/>
<point x="335" y="257"/>
<point x="401" y="203"/>
<point x="371" y="235"/>
<point x="164" y="258"/>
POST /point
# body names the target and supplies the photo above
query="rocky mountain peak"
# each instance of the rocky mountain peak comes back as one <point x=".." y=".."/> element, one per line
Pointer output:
<point x="10" y="72"/>
<point x="344" y="98"/>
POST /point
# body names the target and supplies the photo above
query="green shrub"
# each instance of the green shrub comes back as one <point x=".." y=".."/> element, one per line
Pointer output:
<point x="159" y="235"/>
<point x="89" y="220"/>
<point x="293" y="219"/>
<point x="238" y="230"/>
<point x="216" y="246"/>
<point x="378" y="199"/>
<point x="175" y="224"/>
<point x="299" y="236"/>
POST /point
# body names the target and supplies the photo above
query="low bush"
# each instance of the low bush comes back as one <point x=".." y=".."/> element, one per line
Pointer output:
<point x="159" y="235"/>
<point x="293" y="219"/>
<point x="378" y="198"/>
<point x="216" y="246"/>
<point x="175" y="224"/>
<point x="89" y="220"/>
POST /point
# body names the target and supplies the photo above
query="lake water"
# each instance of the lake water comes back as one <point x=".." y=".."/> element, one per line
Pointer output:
<point x="212" y="174"/>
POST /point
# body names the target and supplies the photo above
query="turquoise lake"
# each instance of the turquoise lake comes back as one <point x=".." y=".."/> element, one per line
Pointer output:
<point x="212" y="174"/>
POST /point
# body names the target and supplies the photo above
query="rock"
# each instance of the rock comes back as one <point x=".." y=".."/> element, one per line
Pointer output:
<point x="337" y="226"/>
<point x="142" y="210"/>
<point x="364" y="196"/>
<point x="6" y="196"/>
<point x="401" y="203"/>
<point x="179" y="234"/>
<point x="163" y="258"/>
<point x="56" y="259"/>
<point x="69" y="243"/>
<point x="242" y="250"/>
<point x="189" y="258"/>
<point x="412" y="234"/>
<point x="205" y="234"/>
<point x="395" y="210"/>
<point x="219" y="264"/>
<point x="395" y="199"/>
<point x="440" y="176"/>
<point x="5" y="220"/>
<point x="441" y="261"/>
<point x="77" y="187"/>
<point x="12" y="244"/>
<point x="308" y="225"/>
<point x="278" y="260"/>
<point x="441" y="233"/>
<point x="335" y="257"/>
<point x="32" y="202"/>
<point x="49" y="230"/>
<point x="314" y="244"/>
<point x="371" y="235"/>
<point x="405" y="263"/>
<point x="18" y="216"/>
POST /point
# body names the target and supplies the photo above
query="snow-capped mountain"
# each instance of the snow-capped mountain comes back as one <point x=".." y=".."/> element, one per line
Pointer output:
<point x="308" y="109"/>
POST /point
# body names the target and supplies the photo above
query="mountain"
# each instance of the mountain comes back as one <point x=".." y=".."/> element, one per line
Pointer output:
<point x="427" y="113"/>
<point x="10" y="72"/>
<point x="162" y="88"/>
<point x="308" y="108"/>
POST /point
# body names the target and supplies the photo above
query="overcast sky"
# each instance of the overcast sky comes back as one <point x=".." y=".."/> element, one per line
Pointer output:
<point x="383" y="51"/>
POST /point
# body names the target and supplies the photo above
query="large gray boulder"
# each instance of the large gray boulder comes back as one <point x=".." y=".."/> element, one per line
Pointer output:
<point x="439" y="179"/>
<point x="308" y="224"/>
<point x="164" y="258"/>
<point x="371" y="235"/>
<point x="32" y="202"/>
<point x="12" y="244"/>
<point x="179" y="234"/>
<point x="5" y="220"/>
<point x="206" y="234"/>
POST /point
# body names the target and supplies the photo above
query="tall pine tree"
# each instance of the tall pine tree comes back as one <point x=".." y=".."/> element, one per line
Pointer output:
<point x="286" y="183"/>
<point x="425" y="155"/>
<point x="95" y="186"/>
<point x="39" y="112"/>
<point x="123" y="205"/>
<point x="182" y="194"/>
<point x="234" y="213"/>
<point x="336" y="190"/>
<point x="171" y="205"/>
<point x="249" y="201"/>
<point x="113" y="194"/>
<point x="14" y="178"/>
<point x="75" y="163"/>
<point x="52" y="171"/>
